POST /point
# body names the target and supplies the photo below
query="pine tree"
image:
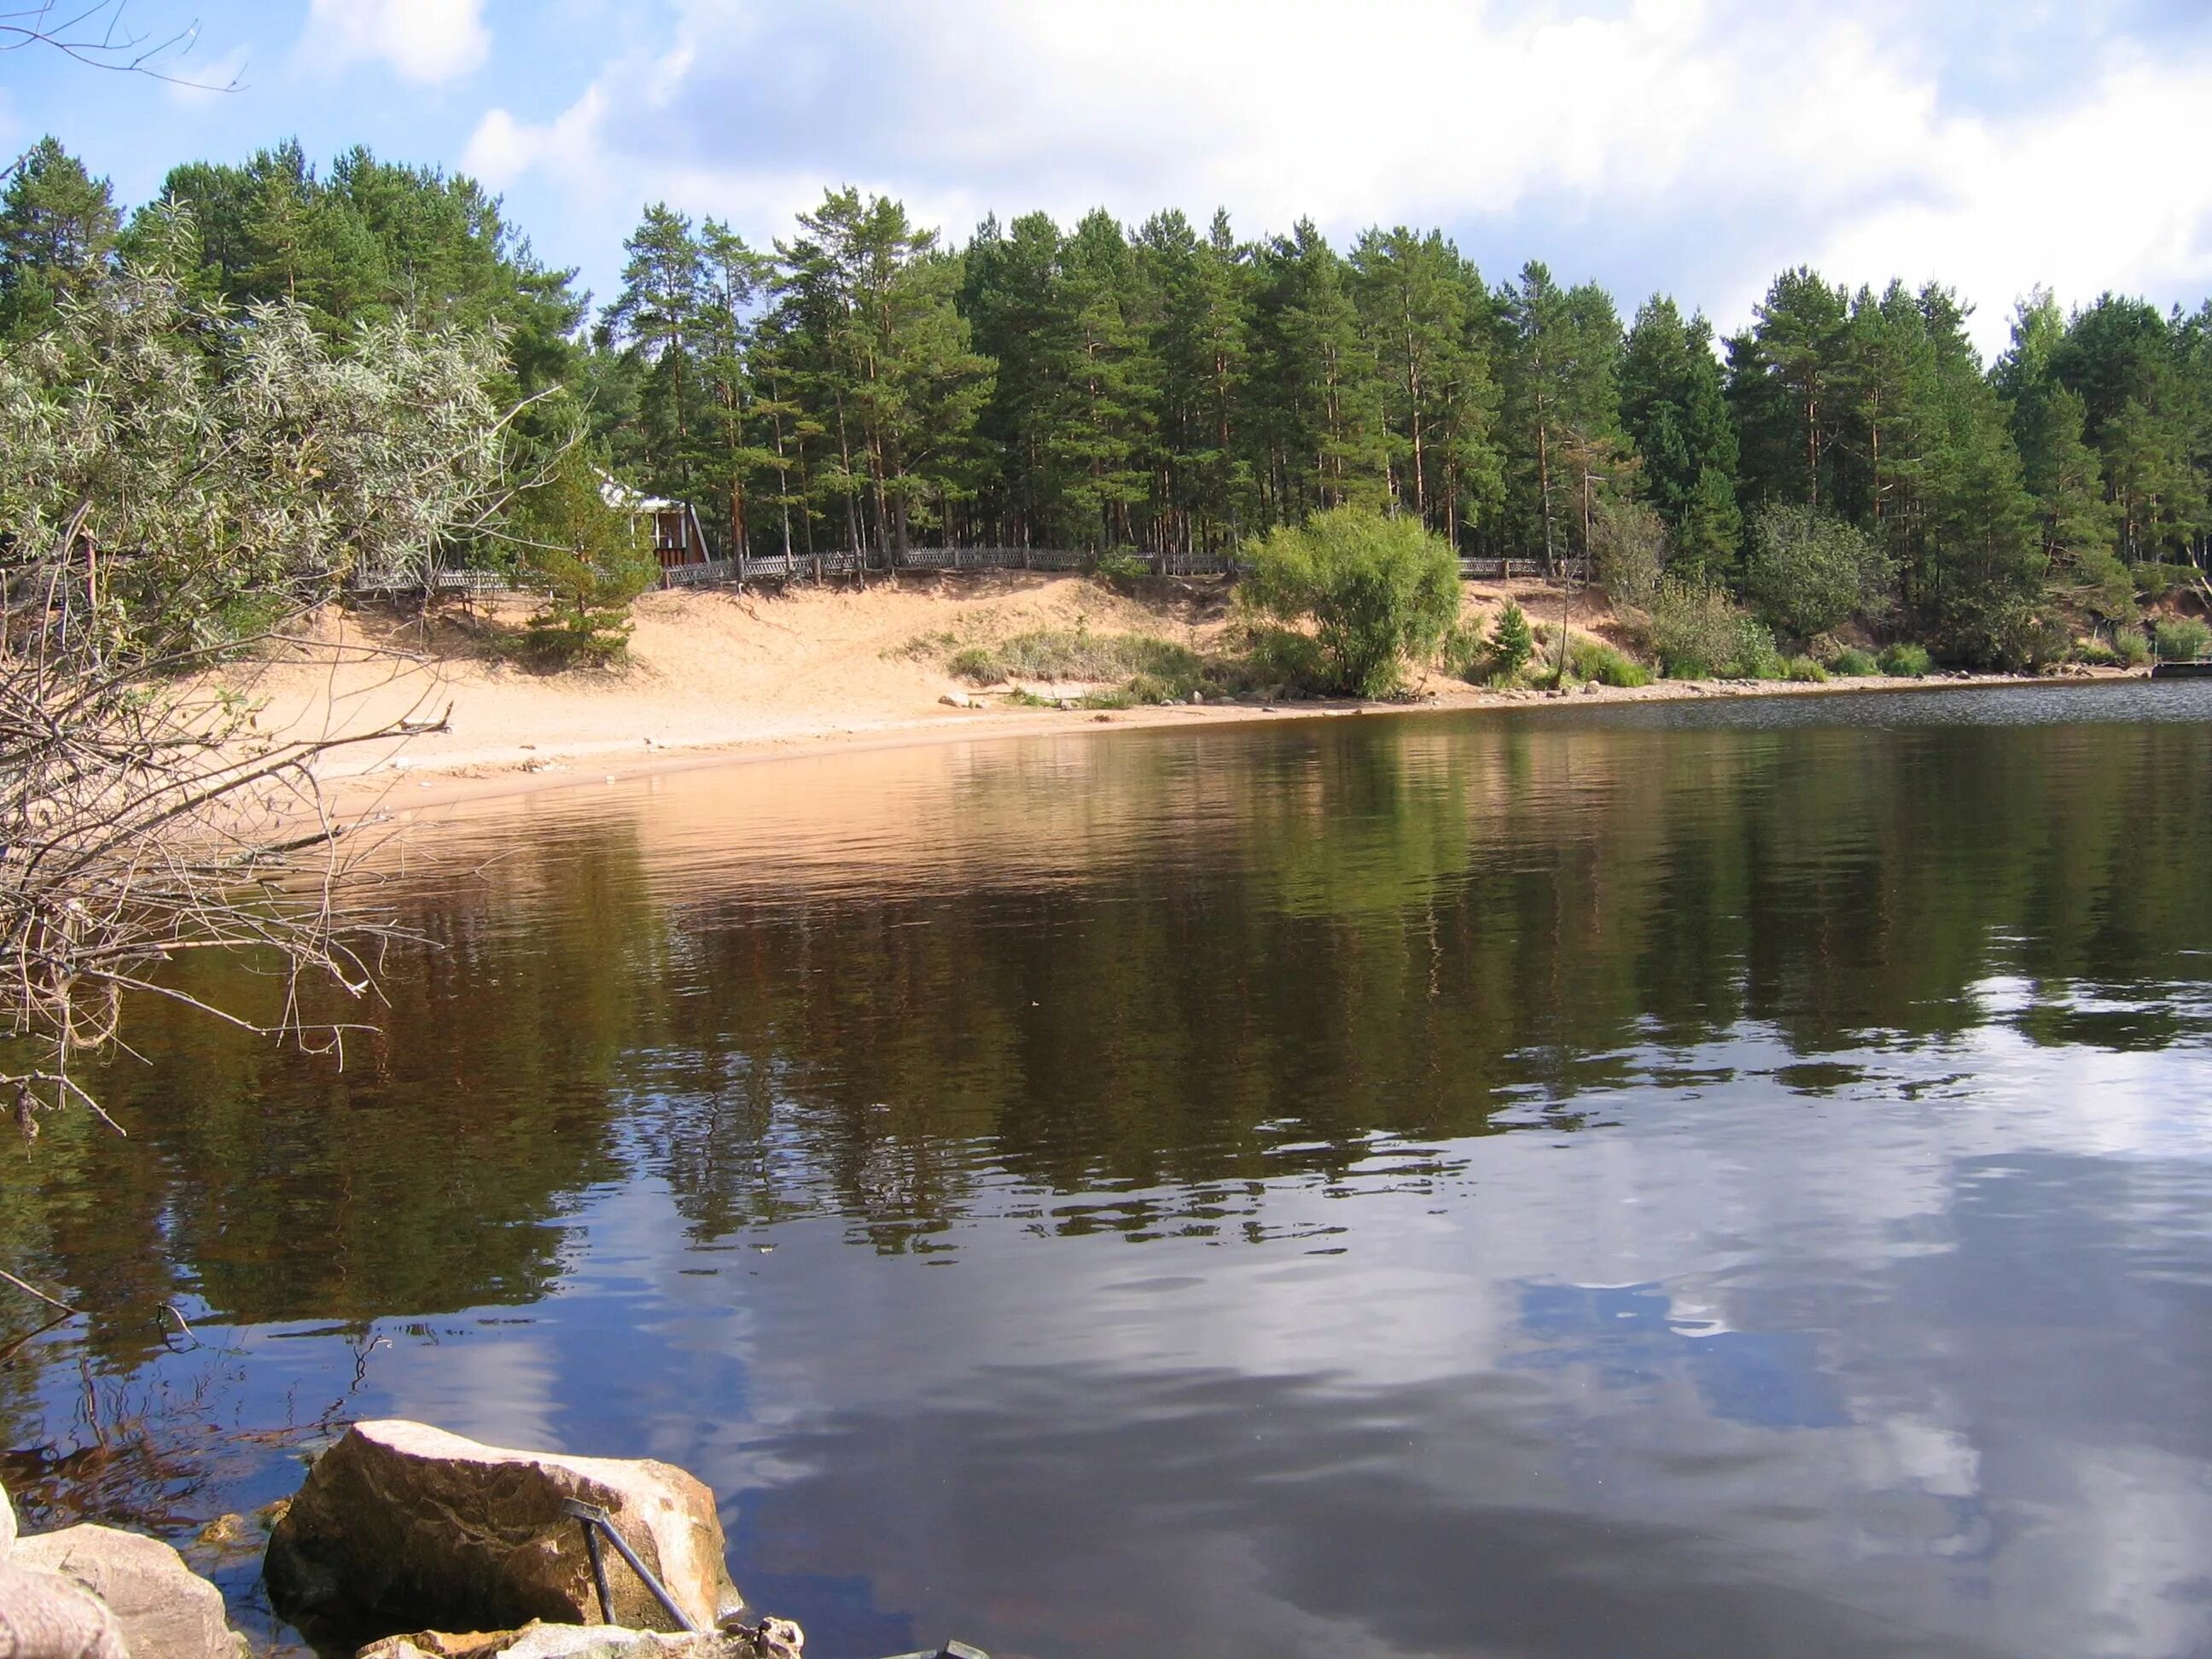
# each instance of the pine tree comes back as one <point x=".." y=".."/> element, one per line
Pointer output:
<point x="1677" y="416"/>
<point x="58" y="231"/>
<point x="1412" y="295"/>
<point x="1200" y="344"/>
<point x="654" y="318"/>
<point x="1322" y="404"/>
<point x="1782" y="387"/>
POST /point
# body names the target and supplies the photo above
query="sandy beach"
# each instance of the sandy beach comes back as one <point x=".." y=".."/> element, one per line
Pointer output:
<point x="715" y="676"/>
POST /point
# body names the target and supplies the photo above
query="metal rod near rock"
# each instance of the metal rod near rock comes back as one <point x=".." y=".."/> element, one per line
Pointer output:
<point x="596" y="1521"/>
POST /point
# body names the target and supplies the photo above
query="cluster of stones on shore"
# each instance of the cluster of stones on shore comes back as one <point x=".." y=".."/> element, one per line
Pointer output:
<point x="469" y="1550"/>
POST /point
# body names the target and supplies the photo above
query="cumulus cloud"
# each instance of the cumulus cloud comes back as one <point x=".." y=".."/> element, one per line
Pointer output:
<point x="1693" y="144"/>
<point x="425" y="40"/>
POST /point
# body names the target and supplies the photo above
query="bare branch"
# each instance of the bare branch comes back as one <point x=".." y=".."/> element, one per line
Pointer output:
<point x="100" y="36"/>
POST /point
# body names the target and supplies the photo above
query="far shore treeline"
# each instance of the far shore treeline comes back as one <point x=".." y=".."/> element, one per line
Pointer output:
<point x="1176" y="385"/>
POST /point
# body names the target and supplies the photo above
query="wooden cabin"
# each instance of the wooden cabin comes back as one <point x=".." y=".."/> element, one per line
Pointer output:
<point x="678" y="538"/>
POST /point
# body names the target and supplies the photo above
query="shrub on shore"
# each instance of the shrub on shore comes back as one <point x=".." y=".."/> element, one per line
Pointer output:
<point x="1379" y="591"/>
<point x="1851" y="663"/>
<point x="2131" y="647"/>
<point x="1904" y="661"/>
<point x="1588" y="660"/>
<point x="1805" y="671"/>
<point x="2183" y="639"/>
<point x="1061" y="655"/>
<point x="1694" y="630"/>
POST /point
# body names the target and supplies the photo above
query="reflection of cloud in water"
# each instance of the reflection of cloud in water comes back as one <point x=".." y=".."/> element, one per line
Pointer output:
<point x="499" y="1389"/>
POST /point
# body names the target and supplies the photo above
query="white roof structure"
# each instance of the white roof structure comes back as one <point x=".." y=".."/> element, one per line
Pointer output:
<point x="620" y="497"/>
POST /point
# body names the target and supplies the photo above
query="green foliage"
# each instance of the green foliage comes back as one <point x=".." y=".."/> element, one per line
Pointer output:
<point x="1851" y="663"/>
<point x="1164" y="388"/>
<point x="1805" y="671"/>
<point x="58" y="230"/>
<point x="1904" y="661"/>
<point x="2154" y="581"/>
<point x="1810" y="572"/>
<point x="1755" y="657"/>
<point x="593" y="558"/>
<point x="1063" y="655"/>
<point x="2131" y="647"/>
<point x="1377" y="589"/>
<point x="2183" y="639"/>
<point x="1693" y="631"/>
<point x="245" y="461"/>
<point x="1275" y="662"/>
<point x="977" y="664"/>
<point x="1628" y="551"/>
<point x="1463" y="654"/>
<point x="1510" y="641"/>
<point x="1122" y="566"/>
<point x="1675" y="409"/>
<point x="1588" y="659"/>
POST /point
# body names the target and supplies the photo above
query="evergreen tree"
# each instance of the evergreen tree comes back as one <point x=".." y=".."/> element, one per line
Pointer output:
<point x="1201" y="346"/>
<point x="1099" y="360"/>
<point x="1563" y="351"/>
<point x="1783" y="382"/>
<point x="654" y="318"/>
<point x="1676" y="414"/>
<point x="1321" y="399"/>
<point x="58" y="231"/>
<point x="2048" y="423"/>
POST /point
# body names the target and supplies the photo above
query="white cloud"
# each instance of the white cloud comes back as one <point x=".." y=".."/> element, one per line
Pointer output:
<point x="203" y="85"/>
<point x="1697" y="144"/>
<point x="425" y="40"/>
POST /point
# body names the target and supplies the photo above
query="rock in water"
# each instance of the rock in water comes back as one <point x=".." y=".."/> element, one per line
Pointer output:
<point x="402" y="1524"/>
<point x="164" y="1609"/>
<point x="775" y="1638"/>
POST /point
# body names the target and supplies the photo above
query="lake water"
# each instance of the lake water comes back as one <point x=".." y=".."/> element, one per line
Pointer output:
<point x="1717" y="1177"/>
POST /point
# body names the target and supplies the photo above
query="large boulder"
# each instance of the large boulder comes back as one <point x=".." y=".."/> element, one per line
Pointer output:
<point x="43" y="1616"/>
<point x="403" y="1525"/>
<point x="163" y="1609"/>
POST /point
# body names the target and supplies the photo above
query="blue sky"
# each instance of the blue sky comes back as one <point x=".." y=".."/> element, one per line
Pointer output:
<point x="1696" y="146"/>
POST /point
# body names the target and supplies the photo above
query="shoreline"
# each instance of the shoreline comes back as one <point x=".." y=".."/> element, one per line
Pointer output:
<point x="402" y="785"/>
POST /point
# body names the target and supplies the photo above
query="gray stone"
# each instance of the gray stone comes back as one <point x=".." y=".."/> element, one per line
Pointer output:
<point x="43" y="1616"/>
<point x="164" y="1609"/>
<point x="402" y="1524"/>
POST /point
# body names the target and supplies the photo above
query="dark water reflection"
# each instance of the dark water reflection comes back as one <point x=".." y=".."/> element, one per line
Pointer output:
<point x="1728" y="1177"/>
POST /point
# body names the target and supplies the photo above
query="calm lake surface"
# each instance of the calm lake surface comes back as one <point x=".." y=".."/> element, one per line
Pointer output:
<point x="1707" y="1178"/>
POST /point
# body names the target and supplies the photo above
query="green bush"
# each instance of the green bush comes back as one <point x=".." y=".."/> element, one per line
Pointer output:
<point x="1377" y="590"/>
<point x="2131" y="647"/>
<point x="1851" y="663"/>
<point x="1463" y="654"/>
<point x="1274" y="661"/>
<point x="1755" y="658"/>
<point x="1805" y="671"/>
<point x="2096" y="653"/>
<point x="1904" y="661"/>
<point x="2156" y="581"/>
<point x="976" y="664"/>
<point x="1809" y="572"/>
<point x="1587" y="660"/>
<point x="1694" y="630"/>
<point x="2183" y="639"/>
<point x="1123" y="565"/>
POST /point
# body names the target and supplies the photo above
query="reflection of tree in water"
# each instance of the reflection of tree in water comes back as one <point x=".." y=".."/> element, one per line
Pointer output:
<point x="1214" y="962"/>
